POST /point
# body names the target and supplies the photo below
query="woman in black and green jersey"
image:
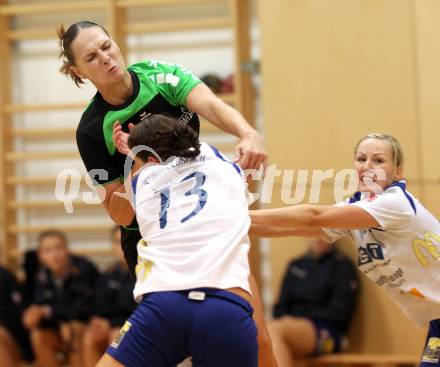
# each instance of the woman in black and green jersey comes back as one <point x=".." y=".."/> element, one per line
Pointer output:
<point x="126" y="96"/>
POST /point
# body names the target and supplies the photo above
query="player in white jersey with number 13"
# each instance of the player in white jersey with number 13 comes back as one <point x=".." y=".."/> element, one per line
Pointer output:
<point x="192" y="272"/>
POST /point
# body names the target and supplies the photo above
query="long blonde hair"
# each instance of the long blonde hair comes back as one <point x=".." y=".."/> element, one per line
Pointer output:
<point x="396" y="149"/>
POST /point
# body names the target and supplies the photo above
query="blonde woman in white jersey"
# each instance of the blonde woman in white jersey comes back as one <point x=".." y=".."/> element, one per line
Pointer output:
<point x="192" y="272"/>
<point x="398" y="239"/>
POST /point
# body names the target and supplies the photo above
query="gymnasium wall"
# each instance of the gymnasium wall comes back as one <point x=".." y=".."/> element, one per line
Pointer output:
<point x="36" y="80"/>
<point x="331" y="72"/>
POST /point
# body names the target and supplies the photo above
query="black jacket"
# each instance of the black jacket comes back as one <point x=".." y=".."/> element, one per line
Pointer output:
<point x="322" y="289"/>
<point x="114" y="296"/>
<point x="72" y="298"/>
<point x="11" y="304"/>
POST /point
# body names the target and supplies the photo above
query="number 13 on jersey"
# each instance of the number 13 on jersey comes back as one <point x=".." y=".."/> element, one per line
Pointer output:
<point x="165" y="198"/>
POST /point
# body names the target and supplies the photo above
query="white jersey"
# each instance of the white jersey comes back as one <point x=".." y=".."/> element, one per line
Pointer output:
<point x="403" y="254"/>
<point x="194" y="221"/>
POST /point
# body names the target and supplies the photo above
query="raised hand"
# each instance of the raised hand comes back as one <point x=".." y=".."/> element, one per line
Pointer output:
<point x="120" y="137"/>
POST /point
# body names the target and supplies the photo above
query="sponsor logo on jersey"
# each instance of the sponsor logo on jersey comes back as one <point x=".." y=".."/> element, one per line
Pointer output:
<point x="417" y="293"/>
<point x="427" y="247"/>
<point x="369" y="253"/>
<point x="432" y="351"/>
<point x="124" y="330"/>
<point x="144" y="115"/>
<point x="390" y="280"/>
<point x="186" y="115"/>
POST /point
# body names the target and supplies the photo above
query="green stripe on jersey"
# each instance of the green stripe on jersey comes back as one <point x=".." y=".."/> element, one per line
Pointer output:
<point x="171" y="81"/>
<point x="146" y="93"/>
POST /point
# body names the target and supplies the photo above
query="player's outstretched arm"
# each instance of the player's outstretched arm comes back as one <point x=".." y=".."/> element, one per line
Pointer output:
<point x="314" y="216"/>
<point x="250" y="151"/>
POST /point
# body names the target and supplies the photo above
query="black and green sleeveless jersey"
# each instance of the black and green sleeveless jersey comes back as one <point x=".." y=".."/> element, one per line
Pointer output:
<point x="159" y="88"/>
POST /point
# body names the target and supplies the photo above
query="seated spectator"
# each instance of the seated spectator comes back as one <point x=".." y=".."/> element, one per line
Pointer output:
<point x="14" y="339"/>
<point x="114" y="303"/>
<point x="61" y="302"/>
<point x="316" y="304"/>
<point x="30" y="266"/>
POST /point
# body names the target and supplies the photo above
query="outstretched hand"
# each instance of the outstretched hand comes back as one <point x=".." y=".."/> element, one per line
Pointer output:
<point x="120" y="138"/>
<point x="250" y="152"/>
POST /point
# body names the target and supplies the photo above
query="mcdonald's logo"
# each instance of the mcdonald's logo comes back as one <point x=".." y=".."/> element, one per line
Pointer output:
<point x="428" y="246"/>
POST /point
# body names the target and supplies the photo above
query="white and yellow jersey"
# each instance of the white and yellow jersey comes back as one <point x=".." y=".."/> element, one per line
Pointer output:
<point x="403" y="253"/>
<point x="194" y="220"/>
